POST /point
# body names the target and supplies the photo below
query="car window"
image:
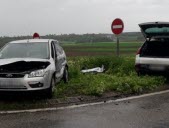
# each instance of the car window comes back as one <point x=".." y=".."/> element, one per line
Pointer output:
<point x="157" y="30"/>
<point x="59" y="50"/>
<point x="52" y="50"/>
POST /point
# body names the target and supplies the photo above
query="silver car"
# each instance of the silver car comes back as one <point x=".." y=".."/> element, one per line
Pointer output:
<point x="32" y="65"/>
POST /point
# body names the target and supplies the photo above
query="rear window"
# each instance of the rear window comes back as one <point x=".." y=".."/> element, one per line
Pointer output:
<point x="157" y="30"/>
<point x="156" y="48"/>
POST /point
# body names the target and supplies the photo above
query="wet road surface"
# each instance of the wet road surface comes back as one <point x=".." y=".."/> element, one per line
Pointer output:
<point x="148" y="112"/>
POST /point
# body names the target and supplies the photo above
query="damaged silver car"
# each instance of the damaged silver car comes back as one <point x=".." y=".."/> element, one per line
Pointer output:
<point x="32" y="65"/>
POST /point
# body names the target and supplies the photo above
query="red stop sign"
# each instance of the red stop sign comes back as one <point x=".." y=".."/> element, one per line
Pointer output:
<point x="117" y="26"/>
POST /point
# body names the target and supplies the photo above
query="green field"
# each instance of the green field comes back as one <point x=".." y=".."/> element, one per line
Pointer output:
<point x="99" y="48"/>
<point x="103" y="44"/>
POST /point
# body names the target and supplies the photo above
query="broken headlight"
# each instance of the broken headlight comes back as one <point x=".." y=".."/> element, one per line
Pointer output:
<point x="37" y="73"/>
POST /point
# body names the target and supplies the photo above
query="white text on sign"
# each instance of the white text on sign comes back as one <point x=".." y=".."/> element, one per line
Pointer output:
<point x="117" y="26"/>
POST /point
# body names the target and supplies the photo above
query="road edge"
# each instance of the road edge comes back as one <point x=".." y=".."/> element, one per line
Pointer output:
<point x="83" y="105"/>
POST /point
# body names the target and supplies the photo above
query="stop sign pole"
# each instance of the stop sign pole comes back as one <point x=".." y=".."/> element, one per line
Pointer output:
<point x="117" y="27"/>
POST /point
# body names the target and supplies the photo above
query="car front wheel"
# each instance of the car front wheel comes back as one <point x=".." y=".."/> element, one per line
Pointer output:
<point x="51" y="89"/>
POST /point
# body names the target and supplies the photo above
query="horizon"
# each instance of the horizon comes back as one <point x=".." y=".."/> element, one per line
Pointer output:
<point x="69" y="34"/>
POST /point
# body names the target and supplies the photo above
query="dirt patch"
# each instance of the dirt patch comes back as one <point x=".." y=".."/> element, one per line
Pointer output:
<point x="77" y="53"/>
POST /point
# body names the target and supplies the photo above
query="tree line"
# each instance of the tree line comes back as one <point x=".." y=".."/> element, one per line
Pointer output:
<point x="81" y="38"/>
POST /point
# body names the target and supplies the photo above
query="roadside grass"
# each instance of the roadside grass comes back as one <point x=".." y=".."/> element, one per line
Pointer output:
<point x="119" y="76"/>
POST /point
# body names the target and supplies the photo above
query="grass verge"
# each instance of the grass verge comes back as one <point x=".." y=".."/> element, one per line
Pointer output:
<point x="119" y="77"/>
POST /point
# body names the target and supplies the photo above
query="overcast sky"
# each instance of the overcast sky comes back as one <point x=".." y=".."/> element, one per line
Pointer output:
<point x="24" y="17"/>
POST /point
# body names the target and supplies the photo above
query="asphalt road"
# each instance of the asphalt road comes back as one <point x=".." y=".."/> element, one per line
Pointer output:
<point x="147" y="112"/>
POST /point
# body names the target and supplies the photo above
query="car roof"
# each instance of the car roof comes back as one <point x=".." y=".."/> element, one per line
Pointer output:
<point x="32" y="40"/>
<point x="150" y="23"/>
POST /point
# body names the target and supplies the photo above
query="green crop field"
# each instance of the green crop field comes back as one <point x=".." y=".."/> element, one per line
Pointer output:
<point x="100" y="48"/>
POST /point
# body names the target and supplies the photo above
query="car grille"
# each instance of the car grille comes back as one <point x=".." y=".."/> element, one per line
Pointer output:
<point x="11" y="75"/>
<point x="12" y="87"/>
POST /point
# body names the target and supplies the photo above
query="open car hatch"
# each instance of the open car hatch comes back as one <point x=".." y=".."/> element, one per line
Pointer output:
<point x="155" y="29"/>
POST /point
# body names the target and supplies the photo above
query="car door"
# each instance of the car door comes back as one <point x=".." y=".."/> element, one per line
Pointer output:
<point x="58" y="61"/>
<point x="54" y="55"/>
<point x="63" y="56"/>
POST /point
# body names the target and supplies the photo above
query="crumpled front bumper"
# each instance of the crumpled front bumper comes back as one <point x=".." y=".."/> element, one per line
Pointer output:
<point x="25" y="83"/>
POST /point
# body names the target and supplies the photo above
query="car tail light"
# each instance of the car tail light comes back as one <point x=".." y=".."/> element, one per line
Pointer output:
<point x="138" y="51"/>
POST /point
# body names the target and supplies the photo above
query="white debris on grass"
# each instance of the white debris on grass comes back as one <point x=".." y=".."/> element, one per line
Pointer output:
<point x="94" y="70"/>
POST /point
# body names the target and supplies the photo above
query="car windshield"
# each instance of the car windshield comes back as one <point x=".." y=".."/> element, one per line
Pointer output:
<point x="25" y="50"/>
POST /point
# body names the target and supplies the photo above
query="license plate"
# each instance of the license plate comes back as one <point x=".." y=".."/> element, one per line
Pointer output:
<point x="157" y="67"/>
<point x="9" y="82"/>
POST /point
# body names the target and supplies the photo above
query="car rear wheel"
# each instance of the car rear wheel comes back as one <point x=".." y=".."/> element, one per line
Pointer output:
<point x="141" y="73"/>
<point x="66" y="75"/>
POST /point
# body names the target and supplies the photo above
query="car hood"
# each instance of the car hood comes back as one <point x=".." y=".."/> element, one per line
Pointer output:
<point x="155" y="29"/>
<point x="12" y="60"/>
<point x="18" y="65"/>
